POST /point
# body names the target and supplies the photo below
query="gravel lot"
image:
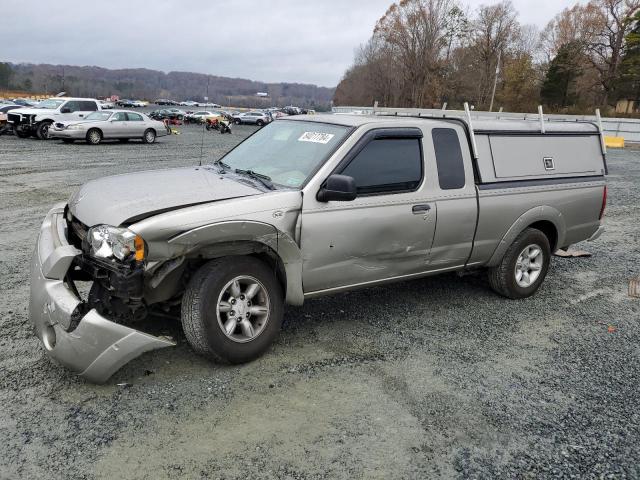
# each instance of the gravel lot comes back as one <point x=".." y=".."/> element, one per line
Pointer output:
<point x="461" y="384"/>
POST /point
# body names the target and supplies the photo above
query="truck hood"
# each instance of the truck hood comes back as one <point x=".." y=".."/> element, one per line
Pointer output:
<point x="126" y="199"/>
<point x="33" y="111"/>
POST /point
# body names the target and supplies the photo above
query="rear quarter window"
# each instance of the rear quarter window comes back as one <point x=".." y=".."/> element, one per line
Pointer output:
<point x="448" y="158"/>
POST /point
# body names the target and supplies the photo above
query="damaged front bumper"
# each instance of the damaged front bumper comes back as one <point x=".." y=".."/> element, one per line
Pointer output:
<point x="83" y="341"/>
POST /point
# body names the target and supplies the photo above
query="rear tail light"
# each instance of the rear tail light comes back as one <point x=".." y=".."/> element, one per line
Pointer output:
<point x="604" y="202"/>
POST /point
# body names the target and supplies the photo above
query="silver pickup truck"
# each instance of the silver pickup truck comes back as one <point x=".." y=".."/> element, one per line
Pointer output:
<point x="305" y="207"/>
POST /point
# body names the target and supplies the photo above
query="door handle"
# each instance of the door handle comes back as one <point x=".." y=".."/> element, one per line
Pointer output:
<point x="419" y="209"/>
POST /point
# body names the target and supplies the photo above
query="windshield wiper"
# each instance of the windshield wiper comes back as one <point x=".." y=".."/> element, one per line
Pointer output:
<point x="263" y="179"/>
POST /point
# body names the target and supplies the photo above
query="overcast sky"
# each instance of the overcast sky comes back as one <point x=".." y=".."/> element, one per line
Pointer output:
<point x="307" y="41"/>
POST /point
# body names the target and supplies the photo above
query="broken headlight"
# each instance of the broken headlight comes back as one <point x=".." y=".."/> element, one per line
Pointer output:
<point x="113" y="242"/>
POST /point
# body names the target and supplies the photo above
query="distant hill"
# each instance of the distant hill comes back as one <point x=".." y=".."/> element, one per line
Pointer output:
<point x="142" y="83"/>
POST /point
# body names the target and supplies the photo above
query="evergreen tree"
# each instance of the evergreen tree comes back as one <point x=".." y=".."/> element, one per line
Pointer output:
<point x="5" y="74"/>
<point x="628" y="84"/>
<point x="558" y="87"/>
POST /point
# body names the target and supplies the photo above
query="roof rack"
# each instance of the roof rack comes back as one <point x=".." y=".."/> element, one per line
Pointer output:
<point x="468" y="116"/>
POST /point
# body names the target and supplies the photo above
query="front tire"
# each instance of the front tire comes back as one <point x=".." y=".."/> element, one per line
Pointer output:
<point x="94" y="136"/>
<point x="149" y="136"/>
<point x="523" y="267"/>
<point x="20" y="133"/>
<point x="42" y="130"/>
<point x="232" y="309"/>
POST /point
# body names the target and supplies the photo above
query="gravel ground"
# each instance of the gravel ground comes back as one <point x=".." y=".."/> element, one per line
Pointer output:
<point x="462" y="384"/>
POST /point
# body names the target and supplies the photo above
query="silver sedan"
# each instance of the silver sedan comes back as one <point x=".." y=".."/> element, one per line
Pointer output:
<point x="103" y="125"/>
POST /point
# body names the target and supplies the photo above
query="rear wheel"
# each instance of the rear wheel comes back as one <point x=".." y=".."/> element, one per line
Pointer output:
<point x="94" y="136"/>
<point x="232" y="309"/>
<point x="149" y="136"/>
<point x="523" y="267"/>
<point x="42" y="130"/>
<point x="260" y="123"/>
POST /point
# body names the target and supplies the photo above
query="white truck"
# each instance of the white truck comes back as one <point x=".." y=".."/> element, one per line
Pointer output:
<point x="35" y="121"/>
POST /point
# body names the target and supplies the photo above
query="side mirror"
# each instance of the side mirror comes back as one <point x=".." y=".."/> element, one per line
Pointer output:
<point x="65" y="110"/>
<point x="340" y="188"/>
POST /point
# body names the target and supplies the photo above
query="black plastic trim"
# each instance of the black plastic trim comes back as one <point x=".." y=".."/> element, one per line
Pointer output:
<point x="539" y="182"/>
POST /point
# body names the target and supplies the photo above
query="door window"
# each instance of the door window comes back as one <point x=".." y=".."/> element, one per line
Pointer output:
<point x="72" y="106"/>
<point x="86" y="106"/>
<point x="119" y="117"/>
<point x="388" y="165"/>
<point x="448" y="158"/>
<point x="134" y="117"/>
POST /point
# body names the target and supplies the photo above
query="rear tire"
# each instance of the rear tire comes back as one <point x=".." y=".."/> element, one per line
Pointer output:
<point x="260" y="123"/>
<point x="232" y="309"/>
<point x="524" y="266"/>
<point x="94" y="136"/>
<point x="149" y="136"/>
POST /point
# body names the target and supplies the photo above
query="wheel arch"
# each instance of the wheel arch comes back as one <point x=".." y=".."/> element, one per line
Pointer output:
<point x="274" y="247"/>
<point x="548" y="220"/>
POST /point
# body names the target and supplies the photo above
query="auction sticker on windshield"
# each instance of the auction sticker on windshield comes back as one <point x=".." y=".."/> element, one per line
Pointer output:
<point x="316" y="137"/>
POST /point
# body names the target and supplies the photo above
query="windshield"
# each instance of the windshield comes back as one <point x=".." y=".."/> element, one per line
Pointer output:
<point x="98" y="116"/>
<point x="287" y="151"/>
<point x="51" y="104"/>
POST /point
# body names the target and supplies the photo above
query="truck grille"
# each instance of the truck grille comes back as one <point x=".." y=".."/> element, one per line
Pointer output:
<point x="77" y="232"/>
<point x="14" y="118"/>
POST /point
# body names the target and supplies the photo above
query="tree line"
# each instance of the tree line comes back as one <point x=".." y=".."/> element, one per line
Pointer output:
<point x="424" y="53"/>
<point x="142" y="83"/>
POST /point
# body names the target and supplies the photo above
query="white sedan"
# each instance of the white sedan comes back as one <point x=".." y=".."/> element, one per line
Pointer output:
<point x="103" y="125"/>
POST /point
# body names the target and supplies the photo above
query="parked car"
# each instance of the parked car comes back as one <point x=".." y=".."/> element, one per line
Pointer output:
<point x="126" y="103"/>
<point x="25" y="102"/>
<point x="36" y="120"/>
<point x="106" y="125"/>
<point x="307" y="207"/>
<point x="4" y="110"/>
<point x="139" y="103"/>
<point x="106" y="104"/>
<point x="252" y="118"/>
<point x="164" y="101"/>
<point x="203" y="116"/>
<point x="189" y="103"/>
<point x="168" y="114"/>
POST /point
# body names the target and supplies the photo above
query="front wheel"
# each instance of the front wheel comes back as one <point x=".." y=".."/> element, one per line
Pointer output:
<point x="523" y="267"/>
<point x="94" y="136"/>
<point x="149" y="136"/>
<point x="42" y="130"/>
<point x="21" y="133"/>
<point x="232" y="309"/>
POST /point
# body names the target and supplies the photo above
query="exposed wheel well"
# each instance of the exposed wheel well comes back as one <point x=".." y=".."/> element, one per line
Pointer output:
<point x="253" y="249"/>
<point x="550" y="230"/>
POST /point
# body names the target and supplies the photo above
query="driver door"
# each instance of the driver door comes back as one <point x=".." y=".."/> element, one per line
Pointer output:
<point x="117" y="125"/>
<point x="387" y="231"/>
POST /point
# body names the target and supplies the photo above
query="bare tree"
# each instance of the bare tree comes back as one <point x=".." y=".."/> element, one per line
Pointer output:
<point x="415" y="32"/>
<point x="607" y="46"/>
<point x="495" y="28"/>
